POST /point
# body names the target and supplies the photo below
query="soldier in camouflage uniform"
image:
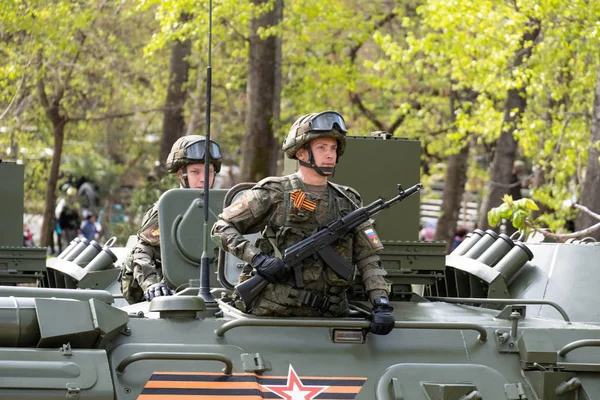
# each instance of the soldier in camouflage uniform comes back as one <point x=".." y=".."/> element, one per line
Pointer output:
<point x="141" y="272"/>
<point x="290" y="208"/>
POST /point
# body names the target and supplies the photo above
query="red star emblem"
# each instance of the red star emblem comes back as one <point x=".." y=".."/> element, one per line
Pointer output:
<point x="295" y="389"/>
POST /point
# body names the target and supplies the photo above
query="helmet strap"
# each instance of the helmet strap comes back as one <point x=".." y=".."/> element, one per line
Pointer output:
<point x="186" y="183"/>
<point x="312" y="165"/>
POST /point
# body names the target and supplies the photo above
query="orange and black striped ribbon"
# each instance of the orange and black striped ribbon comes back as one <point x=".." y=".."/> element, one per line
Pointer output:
<point x="239" y="386"/>
<point x="301" y="202"/>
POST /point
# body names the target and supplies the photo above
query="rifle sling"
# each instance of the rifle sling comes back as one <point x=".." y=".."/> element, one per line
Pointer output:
<point x="269" y="234"/>
<point x="310" y="299"/>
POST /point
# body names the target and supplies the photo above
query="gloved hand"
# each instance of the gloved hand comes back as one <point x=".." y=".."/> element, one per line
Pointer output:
<point x="156" y="290"/>
<point x="383" y="320"/>
<point x="271" y="268"/>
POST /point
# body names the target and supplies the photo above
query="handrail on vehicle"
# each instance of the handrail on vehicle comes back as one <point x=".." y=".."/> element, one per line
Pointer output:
<point x="558" y="308"/>
<point x="166" y="355"/>
<point x="577" y="344"/>
<point x="300" y="323"/>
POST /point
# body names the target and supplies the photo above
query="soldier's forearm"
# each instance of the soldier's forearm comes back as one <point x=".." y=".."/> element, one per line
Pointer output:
<point x="373" y="277"/>
<point x="227" y="236"/>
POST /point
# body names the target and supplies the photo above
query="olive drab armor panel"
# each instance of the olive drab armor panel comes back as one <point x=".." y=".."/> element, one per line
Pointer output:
<point x="181" y="212"/>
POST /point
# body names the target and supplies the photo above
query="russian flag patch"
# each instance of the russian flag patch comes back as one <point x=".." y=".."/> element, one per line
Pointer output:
<point x="372" y="236"/>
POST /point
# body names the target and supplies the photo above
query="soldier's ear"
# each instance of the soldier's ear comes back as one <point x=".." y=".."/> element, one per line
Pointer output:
<point x="302" y="154"/>
<point x="179" y="175"/>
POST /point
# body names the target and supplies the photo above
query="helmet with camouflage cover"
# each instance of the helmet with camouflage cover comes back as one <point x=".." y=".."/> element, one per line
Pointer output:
<point x="191" y="149"/>
<point x="313" y="126"/>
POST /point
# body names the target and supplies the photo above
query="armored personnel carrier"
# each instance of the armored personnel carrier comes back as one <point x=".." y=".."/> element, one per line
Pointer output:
<point x="462" y="337"/>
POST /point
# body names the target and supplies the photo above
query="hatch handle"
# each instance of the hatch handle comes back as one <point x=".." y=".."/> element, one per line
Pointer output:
<point x="341" y="323"/>
<point x="577" y="344"/>
<point x="398" y="395"/>
<point x="165" y="355"/>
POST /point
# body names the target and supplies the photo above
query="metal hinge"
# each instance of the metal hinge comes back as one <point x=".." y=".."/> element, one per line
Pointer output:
<point x="254" y="363"/>
<point x="73" y="391"/>
<point x="66" y="350"/>
<point x="515" y="391"/>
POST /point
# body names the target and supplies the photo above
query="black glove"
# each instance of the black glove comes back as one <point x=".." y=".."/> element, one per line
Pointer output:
<point x="383" y="320"/>
<point x="156" y="290"/>
<point x="271" y="268"/>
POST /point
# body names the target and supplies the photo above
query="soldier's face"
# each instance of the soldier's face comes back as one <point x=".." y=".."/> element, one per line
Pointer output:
<point x="195" y="174"/>
<point x="324" y="151"/>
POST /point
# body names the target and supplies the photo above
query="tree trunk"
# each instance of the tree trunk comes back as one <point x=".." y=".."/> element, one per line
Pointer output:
<point x="506" y="145"/>
<point x="454" y="188"/>
<point x="262" y="96"/>
<point x="589" y="191"/>
<point x="456" y="177"/>
<point x="52" y="110"/>
<point x="173" y="121"/>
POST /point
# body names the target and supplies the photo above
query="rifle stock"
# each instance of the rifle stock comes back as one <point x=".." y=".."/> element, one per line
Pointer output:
<point x="250" y="288"/>
<point x="319" y="244"/>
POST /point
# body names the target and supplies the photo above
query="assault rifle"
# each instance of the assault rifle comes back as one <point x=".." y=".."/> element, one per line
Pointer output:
<point x="319" y="244"/>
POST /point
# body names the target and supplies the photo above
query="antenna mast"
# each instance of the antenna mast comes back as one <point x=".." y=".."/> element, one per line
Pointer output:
<point x="204" y="263"/>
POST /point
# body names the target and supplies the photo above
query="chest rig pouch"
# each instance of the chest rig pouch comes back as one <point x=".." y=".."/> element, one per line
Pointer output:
<point x="297" y="224"/>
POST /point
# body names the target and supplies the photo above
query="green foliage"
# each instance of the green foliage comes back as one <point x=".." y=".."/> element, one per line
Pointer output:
<point x="89" y="53"/>
<point x="383" y="65"/>
<point x="519" y="212"/>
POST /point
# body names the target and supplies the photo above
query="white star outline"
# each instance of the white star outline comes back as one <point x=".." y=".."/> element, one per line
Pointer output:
<point x="296" y="390"/>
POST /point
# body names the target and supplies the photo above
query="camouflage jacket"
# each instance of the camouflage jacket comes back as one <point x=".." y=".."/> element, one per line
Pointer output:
<point x="142" y="266"/>
<point x="272" y="208"/>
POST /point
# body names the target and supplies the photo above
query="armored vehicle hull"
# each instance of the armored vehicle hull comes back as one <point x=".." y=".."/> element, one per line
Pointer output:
<point x="469" y="338"/>
<point x="176" y="348"/>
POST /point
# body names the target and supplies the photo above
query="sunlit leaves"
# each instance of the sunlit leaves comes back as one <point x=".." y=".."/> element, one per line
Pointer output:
<point x="518" y="212"/>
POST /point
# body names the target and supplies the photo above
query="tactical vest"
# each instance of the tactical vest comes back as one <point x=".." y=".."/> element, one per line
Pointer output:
<point x="297" y="225"/>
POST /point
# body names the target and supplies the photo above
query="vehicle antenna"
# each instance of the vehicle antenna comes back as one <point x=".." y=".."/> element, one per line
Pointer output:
<point x="204" y="264"/>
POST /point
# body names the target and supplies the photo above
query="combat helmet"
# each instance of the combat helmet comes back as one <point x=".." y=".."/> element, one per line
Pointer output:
<point x="313" y="126"/>
<point x="191" y="149"/>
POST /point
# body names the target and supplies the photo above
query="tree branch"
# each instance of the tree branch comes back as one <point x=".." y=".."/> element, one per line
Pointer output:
<point x="355" y="97"/>
<point x="61" y="90"/>
<point x="122" y="115"/>
<point x="562" y="236"/>
<point x="40" y="84"/>
<point x="16" y="92"/>
<point x="559" y="237"/>
<point x="354" y="50"/>
<point x="587" y="211"/>
<point x="562" y="133"/>
<point x="396" y="123"/>
<point x="356" y="100"/>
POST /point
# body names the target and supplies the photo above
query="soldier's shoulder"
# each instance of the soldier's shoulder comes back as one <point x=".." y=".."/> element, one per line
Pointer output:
<point x="274" y="182"/>
<point x="150" y="232"/>
<point x="151" y="212"/>
<point x="348" y="191"/>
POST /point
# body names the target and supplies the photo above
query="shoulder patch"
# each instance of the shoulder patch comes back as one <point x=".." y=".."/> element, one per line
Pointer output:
<point x="372" y="238"/>
<point x="151" y="234"/>
<point x="235" y="209"/>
